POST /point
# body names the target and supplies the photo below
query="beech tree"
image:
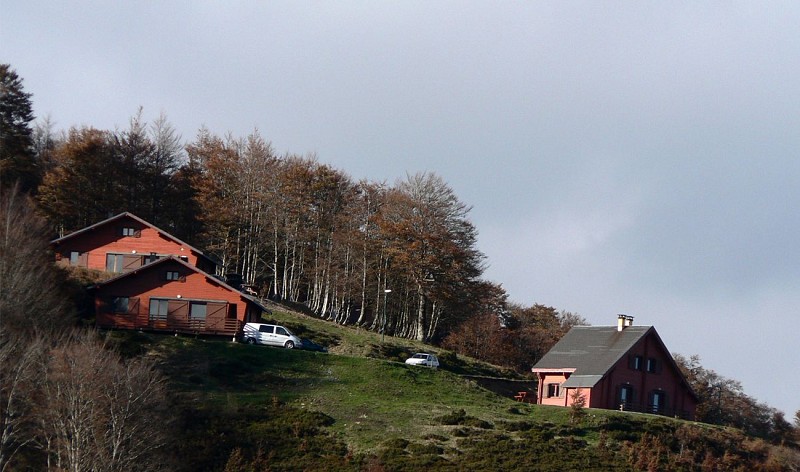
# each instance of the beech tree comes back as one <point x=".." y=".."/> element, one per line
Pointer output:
<point x="431" y="254"/>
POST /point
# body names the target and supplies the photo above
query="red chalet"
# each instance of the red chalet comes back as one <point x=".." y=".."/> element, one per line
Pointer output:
<point x="173" y="295"/>
<point x="123" y="243"/>
<point x="621" y="367"/>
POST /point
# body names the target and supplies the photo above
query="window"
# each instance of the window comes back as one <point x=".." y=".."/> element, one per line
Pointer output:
<point x="114" y="262"/>
<point x="266" y="329"/>
<point x="119" y="305"/>
<point x="173" y="275"/>
<point x="553" y="390"/>
<point x="128" y="232"/>
<point x="651" y="365"/>
<point x="74" y="258"/>
<point x="158" y="309"/>
<point x="281" y="331"/>
<point x="151" y="258"/>
<point x="197" y="311"/>
<point x="636" y="363"/>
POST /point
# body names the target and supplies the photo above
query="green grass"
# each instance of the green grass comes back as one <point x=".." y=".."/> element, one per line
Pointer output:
<point x="360" y="407"/>
<point x="372" y="400"/>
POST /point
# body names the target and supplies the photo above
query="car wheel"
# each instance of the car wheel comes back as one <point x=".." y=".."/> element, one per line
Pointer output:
<point x="289" y="345"/>
<point x="251" y="340"/>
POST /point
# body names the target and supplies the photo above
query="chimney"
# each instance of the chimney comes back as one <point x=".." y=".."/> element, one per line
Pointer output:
<point x="623" y="321"/>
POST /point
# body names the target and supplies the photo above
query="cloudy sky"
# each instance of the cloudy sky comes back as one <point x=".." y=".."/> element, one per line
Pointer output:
<point x="620" y="157"/>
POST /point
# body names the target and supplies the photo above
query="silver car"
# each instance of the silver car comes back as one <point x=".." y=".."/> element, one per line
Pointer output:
<point x="271" y="335"/>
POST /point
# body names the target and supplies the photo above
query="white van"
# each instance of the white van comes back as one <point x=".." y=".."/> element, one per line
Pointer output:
<point x="271" y="335"/>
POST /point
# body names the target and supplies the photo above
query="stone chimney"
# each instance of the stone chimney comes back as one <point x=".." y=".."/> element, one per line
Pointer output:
<point x="623" y="321"/>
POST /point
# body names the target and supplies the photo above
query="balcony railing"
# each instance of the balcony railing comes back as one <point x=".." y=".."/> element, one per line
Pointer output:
<point x="223" y="326"/>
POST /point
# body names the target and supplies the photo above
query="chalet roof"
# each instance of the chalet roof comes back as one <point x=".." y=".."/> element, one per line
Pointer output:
<point x="136" y="218"/>
<point x="590" y="351"/>
<point x="164" y="260"/>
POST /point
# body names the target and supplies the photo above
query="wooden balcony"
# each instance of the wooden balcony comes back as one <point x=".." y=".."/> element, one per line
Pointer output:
<point x="215" y="326"/>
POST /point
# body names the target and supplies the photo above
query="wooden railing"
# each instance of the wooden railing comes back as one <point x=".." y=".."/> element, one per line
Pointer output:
<point x="226" y="326"/>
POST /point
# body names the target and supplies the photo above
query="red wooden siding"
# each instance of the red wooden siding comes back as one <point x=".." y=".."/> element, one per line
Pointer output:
<point x="192" y="287"/>
<point x="95" y="244"/>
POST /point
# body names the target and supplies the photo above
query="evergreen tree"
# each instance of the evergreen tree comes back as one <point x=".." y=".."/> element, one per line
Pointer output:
<point x="16" y="114"/>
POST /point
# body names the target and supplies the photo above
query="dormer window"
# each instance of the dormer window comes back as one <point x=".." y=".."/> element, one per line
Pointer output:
<point x="173" y="275"/>
<point x="127" y="231"/>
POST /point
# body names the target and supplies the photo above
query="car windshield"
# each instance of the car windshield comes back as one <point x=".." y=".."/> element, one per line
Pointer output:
<point x="420" y="356"/>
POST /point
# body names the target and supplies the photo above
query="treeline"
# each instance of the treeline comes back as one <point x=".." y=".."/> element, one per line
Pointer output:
<point x="399" y="258"/>
<point x="723" y="401"/>
<point x="295" y="229"/>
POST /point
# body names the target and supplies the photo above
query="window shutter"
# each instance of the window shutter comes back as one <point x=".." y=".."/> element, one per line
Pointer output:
<point x="182" y="278"/>
<point x="659" y="366"/>
<point x="631" y="361"/>
<point x="59" y="256"/>
<point x="137" y="233"/>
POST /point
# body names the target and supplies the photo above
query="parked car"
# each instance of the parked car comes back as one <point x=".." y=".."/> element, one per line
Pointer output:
<point x="309" y="345"/>
<point x="271" y="335"/>
<point x="421" y="358"/>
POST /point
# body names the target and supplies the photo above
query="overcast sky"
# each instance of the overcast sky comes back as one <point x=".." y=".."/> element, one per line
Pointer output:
<point x="620" y="157"/>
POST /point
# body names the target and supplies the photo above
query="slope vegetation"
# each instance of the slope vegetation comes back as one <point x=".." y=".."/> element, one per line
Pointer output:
<point x="358" y="407"/>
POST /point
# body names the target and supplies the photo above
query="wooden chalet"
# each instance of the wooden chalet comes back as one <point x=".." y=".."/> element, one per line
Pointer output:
<point x="621" y="367"/>
<point x="173" y="295"/>
<point x="124" y="243"/>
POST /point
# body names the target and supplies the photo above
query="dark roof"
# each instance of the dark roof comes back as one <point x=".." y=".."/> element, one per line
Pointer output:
<point x="180" y="261"/>
<point x="590" y="351"/>
<point x="135" y="218"/>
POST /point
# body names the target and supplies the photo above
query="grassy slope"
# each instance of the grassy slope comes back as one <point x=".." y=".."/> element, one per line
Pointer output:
<point x="372" y="400"/>
<point x="381" y="408"/>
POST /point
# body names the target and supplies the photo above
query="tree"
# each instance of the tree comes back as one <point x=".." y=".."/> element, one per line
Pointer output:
<point x="87" y="183"/>
<point x="723" y="401"/>
<point x="21" y="358"/>
<point x="16" y="114"/>
<point x="31" y="290"/>
<point x="576" y="408"/>
<point x="101" y="413"/>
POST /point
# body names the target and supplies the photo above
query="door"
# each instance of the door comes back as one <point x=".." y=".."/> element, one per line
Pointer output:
<point x="281" y="336"/>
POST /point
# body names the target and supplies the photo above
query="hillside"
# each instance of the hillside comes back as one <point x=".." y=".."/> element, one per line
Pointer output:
<point x="241" y="407"/>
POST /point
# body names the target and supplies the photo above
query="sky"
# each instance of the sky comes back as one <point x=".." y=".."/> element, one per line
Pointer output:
<point x="619" y="157"/>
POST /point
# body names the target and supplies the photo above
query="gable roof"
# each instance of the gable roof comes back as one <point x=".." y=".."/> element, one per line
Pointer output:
<point x="164" y="260"/>
<point x="591" y="350"/>
<point x="126" y="214"/>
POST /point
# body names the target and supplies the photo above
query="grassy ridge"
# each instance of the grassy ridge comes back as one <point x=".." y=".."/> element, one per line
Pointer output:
<point x="360" y="407"/>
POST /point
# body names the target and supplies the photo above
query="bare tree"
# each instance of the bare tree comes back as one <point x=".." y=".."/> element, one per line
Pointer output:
<point x="31" y="298"/>
<point x="101" y="413"/>
<point x="20" y="359"/>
